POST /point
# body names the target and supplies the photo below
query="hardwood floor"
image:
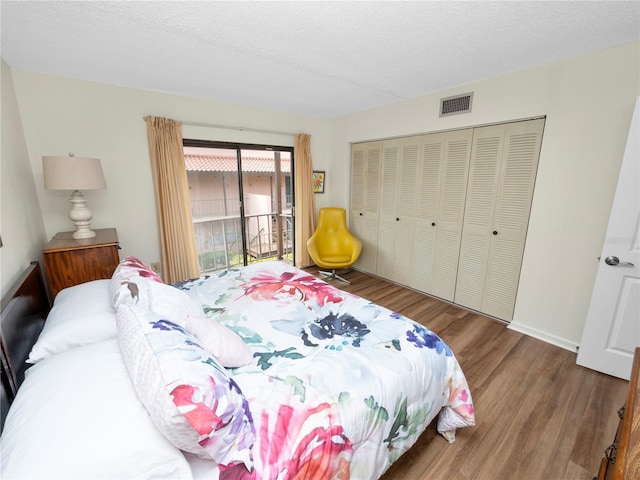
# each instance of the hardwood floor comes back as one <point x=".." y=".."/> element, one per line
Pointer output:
<point x="539" y="415"/>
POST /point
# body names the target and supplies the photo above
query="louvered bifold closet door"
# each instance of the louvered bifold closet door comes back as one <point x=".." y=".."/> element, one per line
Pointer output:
<point x="453" y="187"/>
<point x="397" y="208"/>
<point x="391" y="150"/>
<point x="482" y="186"/>
<point x="363" y="218"/>
<point x="502" y="176"/>
<point x="513" y="206"/>
<point x="430" y="164"/>
<point x="405" y="211"/>
<point x="356" y="201"/>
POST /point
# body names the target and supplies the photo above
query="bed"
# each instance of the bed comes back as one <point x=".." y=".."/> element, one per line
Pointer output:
<point x="24" y="310"/>
<point x="259" y="372"/>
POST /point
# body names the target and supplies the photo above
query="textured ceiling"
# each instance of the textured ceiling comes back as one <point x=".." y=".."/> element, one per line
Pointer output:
<point x="322" y="59"/>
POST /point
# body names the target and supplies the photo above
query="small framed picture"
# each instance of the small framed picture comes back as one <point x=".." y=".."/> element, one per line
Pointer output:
<point x="318" y="181"/>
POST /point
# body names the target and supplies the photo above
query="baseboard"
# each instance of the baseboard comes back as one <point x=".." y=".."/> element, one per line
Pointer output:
<point x="545" y="337"/>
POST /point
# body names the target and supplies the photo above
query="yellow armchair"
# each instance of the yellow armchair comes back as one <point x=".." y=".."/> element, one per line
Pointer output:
<point x="332" y="245"/>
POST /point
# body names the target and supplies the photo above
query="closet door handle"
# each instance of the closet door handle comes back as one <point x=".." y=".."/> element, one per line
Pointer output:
<point x="433" y="224"/>
<point x="615" y="261"/>
<point x="495" y="232"/>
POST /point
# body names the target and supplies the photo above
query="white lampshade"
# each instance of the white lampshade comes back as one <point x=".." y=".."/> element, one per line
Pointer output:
<point x="75" y="173"/>
<point x="72" y="173"/>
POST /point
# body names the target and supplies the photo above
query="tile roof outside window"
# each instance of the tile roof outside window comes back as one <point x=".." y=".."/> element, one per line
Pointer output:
<point x="229" y="163"/>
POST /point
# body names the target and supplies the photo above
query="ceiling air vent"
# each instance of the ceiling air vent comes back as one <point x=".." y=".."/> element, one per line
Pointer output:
<point x="455" y="105"/>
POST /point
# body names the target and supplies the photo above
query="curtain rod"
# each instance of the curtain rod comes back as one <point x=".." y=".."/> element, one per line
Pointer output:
<point x="231" y="127"/>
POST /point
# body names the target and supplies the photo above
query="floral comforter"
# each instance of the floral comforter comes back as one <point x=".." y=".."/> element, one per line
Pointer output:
<point x="340" y="387"/>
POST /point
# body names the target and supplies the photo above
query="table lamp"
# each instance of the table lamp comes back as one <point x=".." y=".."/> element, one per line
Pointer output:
<point x="75" y="174"/>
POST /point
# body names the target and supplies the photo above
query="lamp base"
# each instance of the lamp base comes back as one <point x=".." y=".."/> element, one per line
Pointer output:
<point x="81" y="216"/>
<point x="83" y="232"/>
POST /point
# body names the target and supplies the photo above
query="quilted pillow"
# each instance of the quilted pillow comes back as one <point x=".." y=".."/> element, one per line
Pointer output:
<point x="190" y="397"/>
<point x="128" y="270"/>
<point x="221" y="342"/>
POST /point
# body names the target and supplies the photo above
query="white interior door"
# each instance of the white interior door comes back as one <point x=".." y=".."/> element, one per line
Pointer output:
<point x="612" y="328"/>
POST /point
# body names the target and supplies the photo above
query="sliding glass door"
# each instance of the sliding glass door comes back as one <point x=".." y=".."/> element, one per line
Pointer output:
<point x="241" y="202"/>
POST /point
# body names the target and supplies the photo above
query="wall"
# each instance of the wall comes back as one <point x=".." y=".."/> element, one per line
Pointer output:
<point x="588" y="102"/>
<point x="22" y="229"/>
<point x="96" y="120"/>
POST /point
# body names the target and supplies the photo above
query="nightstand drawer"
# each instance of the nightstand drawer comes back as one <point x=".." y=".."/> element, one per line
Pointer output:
<point x="69" y="262"/>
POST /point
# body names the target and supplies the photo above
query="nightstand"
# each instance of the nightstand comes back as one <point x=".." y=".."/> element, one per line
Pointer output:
<point x="69" y="262"/>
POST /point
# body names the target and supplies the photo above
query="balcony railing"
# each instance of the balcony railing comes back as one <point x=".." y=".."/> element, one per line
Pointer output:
<point x="222" y="207"/>
<point x="219" y="240"/>
<point x="208" y="208"/>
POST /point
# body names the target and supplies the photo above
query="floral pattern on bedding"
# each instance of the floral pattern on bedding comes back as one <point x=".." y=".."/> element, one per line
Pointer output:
<point x="340" y="387"/>
<point x="190" y="396"/>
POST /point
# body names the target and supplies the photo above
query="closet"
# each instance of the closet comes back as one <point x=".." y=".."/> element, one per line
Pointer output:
<point x="447" y="213"/>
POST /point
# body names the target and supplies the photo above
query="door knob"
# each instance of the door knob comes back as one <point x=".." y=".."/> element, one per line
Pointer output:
<point x="614" y="261"/>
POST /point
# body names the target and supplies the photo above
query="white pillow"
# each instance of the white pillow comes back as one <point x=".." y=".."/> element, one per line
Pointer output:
<point x="81" y="314"/>
<point x="77" y="416"/>
<point x="219" y="341"/>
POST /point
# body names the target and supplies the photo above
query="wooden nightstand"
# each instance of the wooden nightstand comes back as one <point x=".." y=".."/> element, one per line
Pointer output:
<point x="69" y="262"/>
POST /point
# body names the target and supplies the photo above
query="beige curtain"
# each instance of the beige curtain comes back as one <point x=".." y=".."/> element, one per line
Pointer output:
<point x="177" y="242"/>
<point x="305" y="222"/>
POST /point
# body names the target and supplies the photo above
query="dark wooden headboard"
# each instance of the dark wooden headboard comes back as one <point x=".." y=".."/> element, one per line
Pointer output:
<point x="24" y="309"/>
